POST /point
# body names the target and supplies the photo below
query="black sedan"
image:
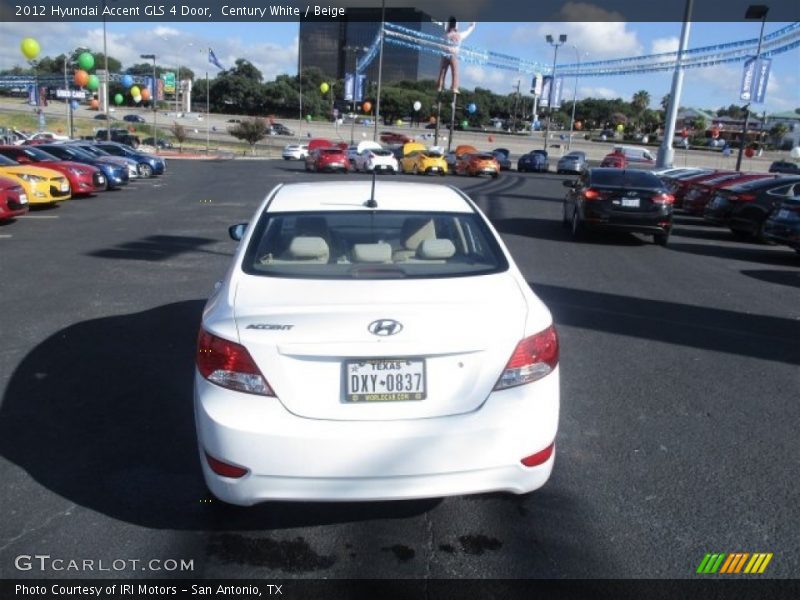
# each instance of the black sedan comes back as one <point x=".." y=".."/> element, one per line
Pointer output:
<point x="134" y="119"/>
<point x="536" y="160"/>
<point x="619" y="200"/>
<point x="744" y="208"/>
<point x="784" y="166"/>
<point x="783" y="225"/>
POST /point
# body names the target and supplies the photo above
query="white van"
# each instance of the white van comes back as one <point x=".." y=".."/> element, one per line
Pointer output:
<point x="636" y="154"/>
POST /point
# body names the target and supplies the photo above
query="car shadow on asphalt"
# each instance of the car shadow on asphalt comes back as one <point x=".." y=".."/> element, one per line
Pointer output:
<point x="157" y="248"/>
<point x="704" y="233"/>
<point x="790" y="278"/>
<point x="549" y="229"/>
<point x="101" y="414"/>
<point x="771" y="255"/>
<point x="758" y="336"/>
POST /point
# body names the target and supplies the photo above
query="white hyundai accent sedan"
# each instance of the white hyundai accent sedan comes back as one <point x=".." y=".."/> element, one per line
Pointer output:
<point x="373" y="342"/>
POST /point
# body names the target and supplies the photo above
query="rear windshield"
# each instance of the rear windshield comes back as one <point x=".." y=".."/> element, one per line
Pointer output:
<point x="579" y="155"/>
<point x="484" y="156"/>
<point x="625" y="178"/>
<point x="330" y="151"/>
<point x="381" y="153"/>
<point x="372" y="245"/>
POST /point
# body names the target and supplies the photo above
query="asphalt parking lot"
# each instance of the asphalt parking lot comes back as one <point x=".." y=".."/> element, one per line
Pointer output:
<point x="678" y="431"/>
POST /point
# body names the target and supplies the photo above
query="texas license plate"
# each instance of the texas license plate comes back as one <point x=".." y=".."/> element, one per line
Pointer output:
<point x="630" y="202"/>
<point x="385" y="380"/>
<point x="783" y="214"/>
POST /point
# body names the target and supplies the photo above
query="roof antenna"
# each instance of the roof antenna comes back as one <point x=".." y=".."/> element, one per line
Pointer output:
<point x="371" y="203"/>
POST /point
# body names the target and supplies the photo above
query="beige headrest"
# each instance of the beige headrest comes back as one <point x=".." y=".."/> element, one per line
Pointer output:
<point x="308" y="248"/>
<point x="372" y="253"/>
<point x="436" y="249"/>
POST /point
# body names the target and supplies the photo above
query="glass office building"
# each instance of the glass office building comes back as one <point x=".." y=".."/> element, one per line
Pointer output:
<point x="323" y="45"/>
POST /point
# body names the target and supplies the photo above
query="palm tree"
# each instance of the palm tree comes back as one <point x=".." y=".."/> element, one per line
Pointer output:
<point x="641" y="100"/>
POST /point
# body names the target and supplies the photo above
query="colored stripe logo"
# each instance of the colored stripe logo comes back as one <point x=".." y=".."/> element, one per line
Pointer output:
<point x="734" y="563"/>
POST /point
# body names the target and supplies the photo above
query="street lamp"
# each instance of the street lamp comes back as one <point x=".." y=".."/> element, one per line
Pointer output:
<point x="154" y="97"/>
<point x="67" y="98"/>
<point x="754" y="11"/>
<point x="380" y="73"/>
<point x="355" y="50"/>
<point x="561" y="40"/>
<point x="574" y="96"/>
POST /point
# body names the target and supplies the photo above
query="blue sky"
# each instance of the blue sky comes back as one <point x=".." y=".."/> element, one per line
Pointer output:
<point x="272" y="47"/>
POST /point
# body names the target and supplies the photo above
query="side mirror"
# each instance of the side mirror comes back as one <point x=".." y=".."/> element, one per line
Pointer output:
<point x="568" y="183"/>
<point x="237" y="231"/>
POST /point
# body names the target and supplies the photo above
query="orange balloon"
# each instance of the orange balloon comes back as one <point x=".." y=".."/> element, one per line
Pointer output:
<point x="432" y="119"/>
<point x="367" y="106"/>
<point x="94" y="104"/>
<point x="81" y="78"/>
<point x="578" y="125"/>
<point x="491" y="139"/>
<point x="132" y="129"/>
<point x="145" y="94"/>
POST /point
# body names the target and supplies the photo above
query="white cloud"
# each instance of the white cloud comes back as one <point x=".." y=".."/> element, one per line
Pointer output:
<point x="494" y="79"/>
<point x="667" y="44"/>
<point x="598" y="92"/>
<point x="600" y="39"/>
<point x="163" y="31"/>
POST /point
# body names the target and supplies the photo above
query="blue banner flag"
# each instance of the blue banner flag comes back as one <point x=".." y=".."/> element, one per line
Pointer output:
<point x="212" y="58"/>
<point x="349" y="80"/>
<point x="761" y="79"/>
<point x="361" y="82"/>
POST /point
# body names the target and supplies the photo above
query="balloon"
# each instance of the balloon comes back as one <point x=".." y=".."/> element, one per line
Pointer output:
<point x="145" y="94"/>
<point x="93" y="83"/>
<point x="491" y="138"/>
<point x="749" y="152"/>
<point x="620" y="127"/>
<point x="795" y="152"/>
<point x="578" y="125"/>
<point x="308" y="118"/>
<point x="127" y="81"/>
<point x="94" y="104"/>
<point x="30" y="48"/>
<point x="74" y="104"/>
<point x="118" y="99"/>
<point x="399" y="122"/>
<point x="367" y="106"/>
<point x="432" y="120"/>
<point x="86" y="61"/>
<point x="81" y="78"/>
<point x="324" y="87"/>
<point x="417" y="105"/>
<point x="137" y="98"/>
<point x="132" y="129"/>
<point x="135" y="91"/>
<point x="471" y="107"/>
<point x="464" y="124"/>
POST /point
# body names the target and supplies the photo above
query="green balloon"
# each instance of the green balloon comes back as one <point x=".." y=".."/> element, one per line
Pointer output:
<point x="86" y="61"/>
<point x="93" y="83"/>
<point x="464" y="123"/>
<point x="118" y="99"/>
<point x="308" y="118"/>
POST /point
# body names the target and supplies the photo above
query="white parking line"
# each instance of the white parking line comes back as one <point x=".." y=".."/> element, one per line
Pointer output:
<point x="38" y="217"/>
<point x="6" y="235"/>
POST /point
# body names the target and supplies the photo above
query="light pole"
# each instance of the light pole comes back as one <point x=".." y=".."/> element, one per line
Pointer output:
<point x="561" y="40"/>
<point x="67" y="98"/>
<point x="380" y="72"/>
<point x="154" y="96"/>
<point x="574" y="97"/>
<point x="754" y="11"/>
<point x="355" y="50"/>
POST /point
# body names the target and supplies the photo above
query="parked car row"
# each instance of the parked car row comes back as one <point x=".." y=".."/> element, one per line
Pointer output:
<point x="759" y="206"/>
<point x="47" y="173"/>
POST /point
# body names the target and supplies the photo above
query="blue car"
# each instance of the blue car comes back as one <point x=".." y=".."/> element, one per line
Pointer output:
<point x="116" y="175"/>
<point x="148" y="165"/>
<point x="535" y="160"/>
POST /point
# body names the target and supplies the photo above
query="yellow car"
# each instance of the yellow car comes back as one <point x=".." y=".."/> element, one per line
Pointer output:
<point x="419" y="160"/>
<point x="42" y="186"/>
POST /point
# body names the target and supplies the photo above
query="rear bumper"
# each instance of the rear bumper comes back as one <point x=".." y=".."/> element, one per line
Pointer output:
<point x="787" y="234"/>
<point x="294" y="458"/>
<point x="660" y="222"/>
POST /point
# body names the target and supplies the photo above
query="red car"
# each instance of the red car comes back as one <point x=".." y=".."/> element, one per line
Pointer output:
<point x="615" y="160"/>
<point x="13" y="200"/>
<point x="83" y="179"/>
<point x="389" y="137"/>
<point x="679" y="187"/>
<point x="699" y="194"/>
<point x="479" y="163"/>
<point x="327" y="159"/>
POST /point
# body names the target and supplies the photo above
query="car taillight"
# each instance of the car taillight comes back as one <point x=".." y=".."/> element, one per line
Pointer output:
<point x="533" y="358"/>
<point x="663" y="199"/>
<point x="590" y="194"/>
<point x="229" y="365"/>
<point x="224" y="469"/>
<point x="744" y="197"/>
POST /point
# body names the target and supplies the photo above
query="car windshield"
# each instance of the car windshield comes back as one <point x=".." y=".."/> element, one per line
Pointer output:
<point x="539" y="153"/>
<point x="94" y="150"/>
<point x="483" y="156"/>
<point x="381" y="153"/>
<point x="372" y="245"/>
<point x="575" y="156"/>
<point x="624" y="178"/>
<point x="7" y="162"/>
<point x="40" y="155"/>
<point x="330" y="151"/>
<point x="68" y="152"/>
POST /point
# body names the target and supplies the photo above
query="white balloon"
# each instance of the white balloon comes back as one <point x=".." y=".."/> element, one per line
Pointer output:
<point x="417" y="105"/>
<point x="137" y="99"/>
<point x="795" y="153"/>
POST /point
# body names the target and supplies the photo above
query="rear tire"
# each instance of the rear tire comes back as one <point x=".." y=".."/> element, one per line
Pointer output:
<point x="661" y="239"/>
<point x="576" y="227"/>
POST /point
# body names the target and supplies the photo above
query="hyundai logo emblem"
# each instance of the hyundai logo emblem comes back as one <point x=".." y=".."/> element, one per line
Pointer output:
<point x="384" y="327"/>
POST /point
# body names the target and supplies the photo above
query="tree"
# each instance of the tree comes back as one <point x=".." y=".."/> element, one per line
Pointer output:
<point x="641" y="100"/>
<point x="733" y="111"/>
<point x="251" y="131"/>
<point x="778" y="131"/>
<point x="699" y="124"/>
<point x="180" y="133"/>
<point x="665" y="102"/>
